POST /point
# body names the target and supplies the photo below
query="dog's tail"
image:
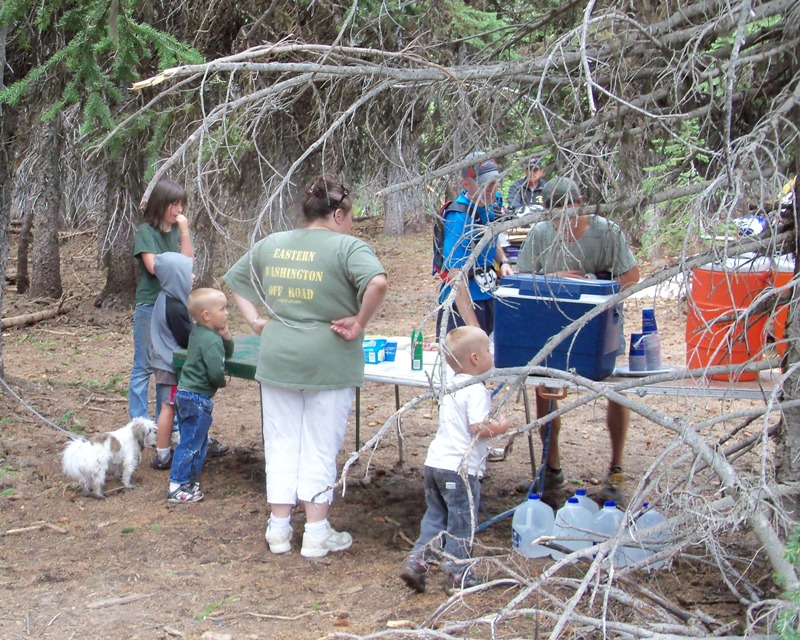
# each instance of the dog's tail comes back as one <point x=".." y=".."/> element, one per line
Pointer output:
<point x="82" y="459"/>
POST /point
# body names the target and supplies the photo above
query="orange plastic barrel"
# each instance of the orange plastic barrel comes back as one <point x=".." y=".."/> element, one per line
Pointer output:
<point x="724" y="291"/>
<point x="783" y="270"/>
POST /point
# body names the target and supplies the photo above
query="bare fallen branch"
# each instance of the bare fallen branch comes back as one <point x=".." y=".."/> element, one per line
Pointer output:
<point x="112" y="602"/>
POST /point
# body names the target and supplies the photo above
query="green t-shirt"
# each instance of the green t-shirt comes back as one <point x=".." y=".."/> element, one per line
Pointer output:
<point x="148" y="239"/>
<point x="602" y="248"/>
<point x="307" y="278"/>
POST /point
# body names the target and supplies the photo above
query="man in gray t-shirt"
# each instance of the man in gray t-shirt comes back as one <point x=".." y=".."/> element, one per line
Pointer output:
<point x="579" y="246"/>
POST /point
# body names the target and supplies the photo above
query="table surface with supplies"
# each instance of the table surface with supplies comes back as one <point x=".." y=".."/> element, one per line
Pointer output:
<point x="399" y="373"/>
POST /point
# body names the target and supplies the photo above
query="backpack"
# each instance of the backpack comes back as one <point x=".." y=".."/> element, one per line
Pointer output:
<point x="438" y="235"/>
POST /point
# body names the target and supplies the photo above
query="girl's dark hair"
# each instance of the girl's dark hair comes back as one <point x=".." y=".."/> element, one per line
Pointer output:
<point x="164" y="194"/>
<point x="323" y="195"/>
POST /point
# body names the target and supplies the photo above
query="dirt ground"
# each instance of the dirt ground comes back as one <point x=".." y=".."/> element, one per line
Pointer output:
<point x="131" y="566"/>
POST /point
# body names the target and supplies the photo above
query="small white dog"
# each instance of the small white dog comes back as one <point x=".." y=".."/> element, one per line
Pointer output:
<point x="89" y="461"/>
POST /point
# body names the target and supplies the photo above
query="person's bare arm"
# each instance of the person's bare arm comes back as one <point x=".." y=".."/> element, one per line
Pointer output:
<point x="249" y="313"/>
<point x="186" y="239"/>
<point x="628" y="278"/>
<point x="464" y="301"/>
<point x="149" y="261"/>
<point x="500" y="256"/>
<point x="491" y="428"/>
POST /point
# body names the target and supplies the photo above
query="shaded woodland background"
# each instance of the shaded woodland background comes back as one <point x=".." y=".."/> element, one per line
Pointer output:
<point x="675" y="117"/>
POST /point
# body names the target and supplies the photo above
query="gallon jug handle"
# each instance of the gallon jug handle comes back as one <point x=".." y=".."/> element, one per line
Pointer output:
<point x="551" y="393"/>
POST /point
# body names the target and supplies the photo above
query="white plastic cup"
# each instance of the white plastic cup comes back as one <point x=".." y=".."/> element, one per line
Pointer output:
<point x="649" y="321"/>
<point x="636" y="356"/>
<point x="652" y="351"/>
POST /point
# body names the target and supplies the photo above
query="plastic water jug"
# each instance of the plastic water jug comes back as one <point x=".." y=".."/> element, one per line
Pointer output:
<point x="606" y="522"/>
<point x="650" y="543"/>
<point x="572" y="522"/>
<point x="586" y="502"/>
<point x="532" y="519"/>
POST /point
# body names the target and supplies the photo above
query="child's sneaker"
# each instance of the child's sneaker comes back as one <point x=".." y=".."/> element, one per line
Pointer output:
<point x="279" y="541"/>
<point x="216" y="449"/>
<point x="413" y="574"/>
<point x="184" y="494"/>
<point x="332" y="541"/>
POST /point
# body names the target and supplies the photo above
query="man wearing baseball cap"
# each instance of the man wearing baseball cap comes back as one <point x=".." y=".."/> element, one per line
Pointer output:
<point x="465" y="221"/>
<point x="528" y="190"/>
<point x="584" y="246"/>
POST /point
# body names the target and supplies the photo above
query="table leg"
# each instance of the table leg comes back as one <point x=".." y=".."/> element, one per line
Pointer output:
<point x="358" y="418"/>
<point x="531" y="452"/>
<point x="397" y="424"/>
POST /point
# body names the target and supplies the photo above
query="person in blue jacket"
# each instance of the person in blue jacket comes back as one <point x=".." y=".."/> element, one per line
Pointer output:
<point x="464" y="224"/>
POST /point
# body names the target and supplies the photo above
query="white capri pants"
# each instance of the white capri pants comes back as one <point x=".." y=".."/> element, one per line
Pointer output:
<point x="303" y="433"/>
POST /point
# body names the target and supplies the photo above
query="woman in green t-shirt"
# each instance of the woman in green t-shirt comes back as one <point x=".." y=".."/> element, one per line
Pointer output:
<point x="320" y="286"/>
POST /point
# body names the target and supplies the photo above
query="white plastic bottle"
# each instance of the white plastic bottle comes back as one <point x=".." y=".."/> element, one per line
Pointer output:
<point x="532" y="519"/>
<point x="606" y="523"/>
<point x="650" y="543"/>
<point x="586" y="502"/>
<point x="572" y="522"/>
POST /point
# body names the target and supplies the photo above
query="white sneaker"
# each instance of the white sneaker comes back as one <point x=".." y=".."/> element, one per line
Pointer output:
<point x="279" y="541"/>
<point x="333" y="541"/>
<point x="175" y="437"/>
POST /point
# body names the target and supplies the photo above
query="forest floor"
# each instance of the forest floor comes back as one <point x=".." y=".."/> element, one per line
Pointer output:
<point x="131" y="566"/>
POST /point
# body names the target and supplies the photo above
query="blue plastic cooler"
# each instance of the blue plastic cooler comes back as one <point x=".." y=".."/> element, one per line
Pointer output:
<point x="530" y="309"/>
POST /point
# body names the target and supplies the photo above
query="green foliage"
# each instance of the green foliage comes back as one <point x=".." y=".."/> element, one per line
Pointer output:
<point x="678" y="162"/>
<point x="69" y="421"/>
<point x="7" y="471"/>
<point x="214" y="606"/>
<point x="113" y="385"/>
<point x="103" y="50"/>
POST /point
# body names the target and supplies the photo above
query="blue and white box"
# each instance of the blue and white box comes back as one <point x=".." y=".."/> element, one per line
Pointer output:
<point x="373" y="351"/>
<point x="530" y="309"/>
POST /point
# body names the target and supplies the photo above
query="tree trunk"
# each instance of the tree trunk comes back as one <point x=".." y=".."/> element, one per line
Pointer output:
<point x="787" y="453"/>
<point x="203" y="233"/>
<point x="5" y="200"/>
<point x="46" y="272"/>
<point x="23" y="248"/>
<point x="404" y="211"/>
<point x="124" y="187"/>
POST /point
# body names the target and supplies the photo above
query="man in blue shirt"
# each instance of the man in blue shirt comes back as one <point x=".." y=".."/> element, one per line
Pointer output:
<point x="465" y="222"/>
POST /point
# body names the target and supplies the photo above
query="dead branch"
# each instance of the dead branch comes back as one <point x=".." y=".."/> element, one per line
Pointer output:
<point x="112" y="602"/>
<point x="34" y="527"/>
<point x="37" y="316"/>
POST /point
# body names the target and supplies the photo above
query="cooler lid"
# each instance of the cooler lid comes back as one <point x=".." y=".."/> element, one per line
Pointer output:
<point x="745" y="263"/>
<point x="557" y="287"/>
